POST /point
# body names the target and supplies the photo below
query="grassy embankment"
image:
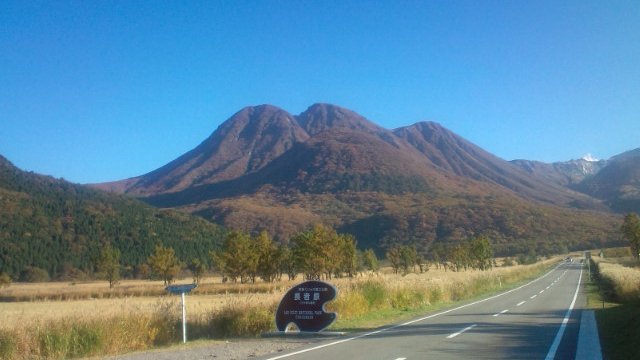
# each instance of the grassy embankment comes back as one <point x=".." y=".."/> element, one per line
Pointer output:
<point x="615" y="295"/>
<point x="110" y="325"/>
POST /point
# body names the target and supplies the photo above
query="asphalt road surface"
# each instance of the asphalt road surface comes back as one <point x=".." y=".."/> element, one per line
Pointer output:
<point x="539" y="320"/>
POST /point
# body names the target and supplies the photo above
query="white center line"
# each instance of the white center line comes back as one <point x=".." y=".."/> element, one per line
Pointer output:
<point x="401" y="359"/>
<point x="533" y="297"/>
<point x="541" y="291"/>
<point x="461" y="331"/>
<point x="521" y="302"/>
<point x="501" y="312"/>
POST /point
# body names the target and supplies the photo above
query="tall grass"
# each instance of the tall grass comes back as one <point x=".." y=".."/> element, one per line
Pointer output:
<point x="620" y="281"/>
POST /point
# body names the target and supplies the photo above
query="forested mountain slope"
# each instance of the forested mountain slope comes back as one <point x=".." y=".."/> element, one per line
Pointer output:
<point x="60" y="227"/>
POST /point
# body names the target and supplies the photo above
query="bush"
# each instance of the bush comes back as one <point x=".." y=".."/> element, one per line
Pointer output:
<point x="7" y="344"/>
<point x="34" y="274"/>
<point x="5" y="280"/>
<point x="374" y="292"/>
<point x="246" y="321"/>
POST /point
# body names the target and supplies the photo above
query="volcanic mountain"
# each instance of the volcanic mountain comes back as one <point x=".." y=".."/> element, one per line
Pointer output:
<point x="266" y="169"/>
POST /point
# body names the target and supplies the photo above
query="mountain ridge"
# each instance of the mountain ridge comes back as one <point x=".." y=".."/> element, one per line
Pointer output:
<point x="265" y="169"/>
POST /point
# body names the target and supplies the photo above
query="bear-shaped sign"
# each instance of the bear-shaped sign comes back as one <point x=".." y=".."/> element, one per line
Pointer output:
<point x="304" y="304"/>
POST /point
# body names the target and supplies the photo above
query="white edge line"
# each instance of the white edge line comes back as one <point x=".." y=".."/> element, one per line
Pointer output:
<point x="409" y="322"/>
<point x="556" y="342"/>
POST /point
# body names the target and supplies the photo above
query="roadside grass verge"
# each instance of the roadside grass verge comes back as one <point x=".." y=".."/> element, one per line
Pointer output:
<point x="614" y="295"/>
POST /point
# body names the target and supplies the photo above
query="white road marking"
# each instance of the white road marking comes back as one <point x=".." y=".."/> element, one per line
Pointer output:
<point x="461" y="331"/>
<point x="556" y="342"/>
<point x="407" y="323"/>
<point x="541" y="291"/>
<point x="533" y="297"/>
<point x="401" y="359"/>
<point x="501" y="312"/>
<point x="521" y="302"/>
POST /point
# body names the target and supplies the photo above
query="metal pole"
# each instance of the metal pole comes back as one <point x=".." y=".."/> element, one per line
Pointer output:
<point x="184" y="322"/>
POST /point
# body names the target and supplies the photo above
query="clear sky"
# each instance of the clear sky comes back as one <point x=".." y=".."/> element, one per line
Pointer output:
<point x="96" y="91"/>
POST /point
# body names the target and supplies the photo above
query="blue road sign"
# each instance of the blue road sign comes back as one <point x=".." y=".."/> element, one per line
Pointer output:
<point x="181" y="289"/>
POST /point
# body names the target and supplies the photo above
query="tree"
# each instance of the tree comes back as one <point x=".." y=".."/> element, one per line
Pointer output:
<point x="288" y="263"/>
<point x="393" y="255"/>
<point x="631" y="231"/>
<point x="164" y="263"/>
<point x="108" y="265"/>
<point x="268" y="256"/>
<point x="438" y="255"/>
<point x="34" y="274"/>
<point x="370" y="260"/>
<point x="480" y="253"/>
<point x="349" y="254"/>
<point x="5" y="280"/>
<point x="459" y="257"/>
<point x="238" y="258"/>
<point x="197" y="269"/>
<point x="408" y="257"/>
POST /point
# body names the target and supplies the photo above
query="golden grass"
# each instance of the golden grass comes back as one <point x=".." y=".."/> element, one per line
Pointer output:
<point x="622" y="276"/>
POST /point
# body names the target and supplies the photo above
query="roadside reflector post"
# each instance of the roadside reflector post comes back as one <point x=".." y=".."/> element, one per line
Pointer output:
<point x="182" y="289"/>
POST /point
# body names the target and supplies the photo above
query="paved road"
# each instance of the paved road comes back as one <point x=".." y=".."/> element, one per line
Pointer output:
<point x="533" y="321"/>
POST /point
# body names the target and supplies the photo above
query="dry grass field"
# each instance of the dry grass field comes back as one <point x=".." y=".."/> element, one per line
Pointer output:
<point x="88" y="319"/>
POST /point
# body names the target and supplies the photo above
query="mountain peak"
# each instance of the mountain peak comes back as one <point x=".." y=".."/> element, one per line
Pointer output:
<point x="321" y="116"/>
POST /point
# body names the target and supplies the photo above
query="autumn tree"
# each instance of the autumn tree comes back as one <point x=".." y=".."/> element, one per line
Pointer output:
<point x="238" y="259"/>
<point x="438" y="255"/>
<point x="5" y="280"/>
<point x="631" y="231"/>
<point x="268" y="256"/>
<point x="393" y="255"/>
<point x="349" y="254"/>
<point x="108" y="265"/>
<point x="164" y="263"/>
<point x="197" y="269"/>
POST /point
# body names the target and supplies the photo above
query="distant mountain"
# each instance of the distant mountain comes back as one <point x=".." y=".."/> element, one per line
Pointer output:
<point x="617" y="183"/>
<point x="567" y="173"/>
<point x="267" y="169"/>
<point x="61" y="227"/>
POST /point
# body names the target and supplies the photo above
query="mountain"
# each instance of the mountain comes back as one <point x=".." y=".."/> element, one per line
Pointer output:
<point x="567" y="173"/>
<point x="61" y="227"/>
<point x="452" y="153"/>
<point x="267" y="169"/>
<point x="617" y="183"/>
<point x="245" y="143"/>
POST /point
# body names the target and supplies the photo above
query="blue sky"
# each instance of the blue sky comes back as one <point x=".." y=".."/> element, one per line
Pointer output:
<point x="96" y="91"/>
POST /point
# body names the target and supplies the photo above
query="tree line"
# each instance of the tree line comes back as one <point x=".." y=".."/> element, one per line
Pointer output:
<point x="318" y="253"/>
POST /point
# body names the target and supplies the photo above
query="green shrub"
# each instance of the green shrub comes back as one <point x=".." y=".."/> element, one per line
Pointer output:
<point x="374" y="292"/>
<point x="34" y="274"/>
<point x="7" y="344"/>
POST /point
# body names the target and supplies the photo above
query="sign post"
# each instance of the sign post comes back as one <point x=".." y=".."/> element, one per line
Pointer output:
<point x="182" y="289"/>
